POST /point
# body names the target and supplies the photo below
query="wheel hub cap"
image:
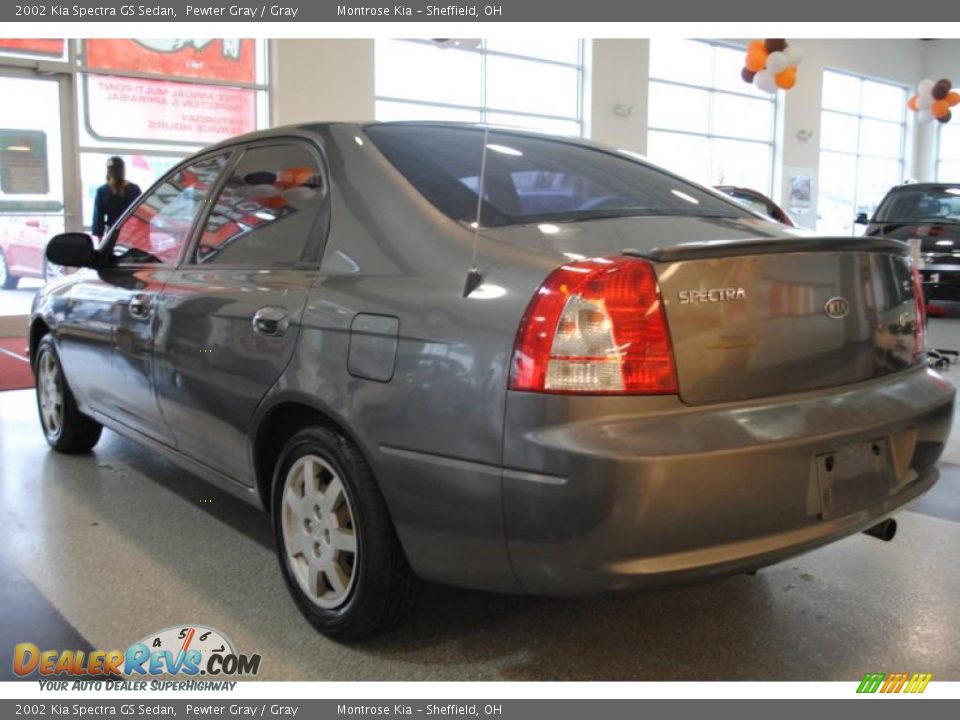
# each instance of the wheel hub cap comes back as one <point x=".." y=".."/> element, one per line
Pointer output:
<point x="51" y="394"/>
<point x="319" y="534"/>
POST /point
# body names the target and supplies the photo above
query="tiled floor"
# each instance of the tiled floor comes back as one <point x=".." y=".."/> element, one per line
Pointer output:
<point x="100" y="550"/>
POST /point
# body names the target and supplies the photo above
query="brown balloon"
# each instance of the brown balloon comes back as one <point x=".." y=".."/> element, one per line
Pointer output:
<point x="945" y="82"/>
<point x="946" y="118"/>
<point x="747" y="75"/>
<point x="941" y="89"/>
<point x="775" y="45"/>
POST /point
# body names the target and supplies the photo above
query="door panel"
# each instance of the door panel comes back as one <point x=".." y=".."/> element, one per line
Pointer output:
<point x="107" y="350"/>
<point x="212" y="367"/>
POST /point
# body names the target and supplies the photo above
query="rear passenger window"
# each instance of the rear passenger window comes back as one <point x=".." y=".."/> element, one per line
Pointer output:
<point x="267" y="209"/>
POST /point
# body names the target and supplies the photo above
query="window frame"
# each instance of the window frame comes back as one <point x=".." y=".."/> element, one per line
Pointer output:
<point x="319" y="229"/>
<point x="940" y="159"/>
<point x="484" y="110"/>
<point x="106" y="247"/>
<point x="712" y="92"/>
<point x="860" y="117"/>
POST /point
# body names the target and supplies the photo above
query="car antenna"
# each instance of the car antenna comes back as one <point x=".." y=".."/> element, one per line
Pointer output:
<point x="474" y="277"/>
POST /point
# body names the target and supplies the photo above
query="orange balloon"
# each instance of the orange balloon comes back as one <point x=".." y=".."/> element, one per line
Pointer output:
<point x="953" y="97"/>
<point x="756" y="60"/>
<point x="786" y="79"/>
<point x="291" y="177"/>
<point x="757" y="46"/>
<point x="940" y="108"/>
<point x="912" y="103"/>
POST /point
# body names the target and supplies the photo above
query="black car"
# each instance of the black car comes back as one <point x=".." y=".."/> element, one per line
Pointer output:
<point x="929" y="212"/>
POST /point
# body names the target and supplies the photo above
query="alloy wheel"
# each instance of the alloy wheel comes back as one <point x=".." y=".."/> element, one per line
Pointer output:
<point x="51" y="394"/>
<point x="319" y="532"/>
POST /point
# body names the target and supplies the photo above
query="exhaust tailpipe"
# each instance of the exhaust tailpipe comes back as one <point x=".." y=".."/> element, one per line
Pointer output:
<point x="885" y="530"/>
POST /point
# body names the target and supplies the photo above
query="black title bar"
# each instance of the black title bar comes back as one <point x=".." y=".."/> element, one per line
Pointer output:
<point x="538" y="11"/>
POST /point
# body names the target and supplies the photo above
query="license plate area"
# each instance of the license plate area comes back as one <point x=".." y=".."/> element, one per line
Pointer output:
<point x="854" y="477"/>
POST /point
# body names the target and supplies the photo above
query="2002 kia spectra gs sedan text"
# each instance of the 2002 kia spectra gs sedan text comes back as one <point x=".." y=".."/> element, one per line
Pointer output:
<point x="641" y="383"/>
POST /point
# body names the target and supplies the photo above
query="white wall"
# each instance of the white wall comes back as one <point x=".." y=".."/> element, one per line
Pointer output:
<point x="321" y="80"/>
<point x="334" y="80"/>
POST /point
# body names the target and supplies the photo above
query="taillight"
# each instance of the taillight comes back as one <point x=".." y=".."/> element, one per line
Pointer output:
<point x="596" y="326"/>
<point x="920" y="323"/>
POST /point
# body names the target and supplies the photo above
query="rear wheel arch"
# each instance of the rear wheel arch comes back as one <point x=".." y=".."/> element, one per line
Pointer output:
<point x="277" y="424"/>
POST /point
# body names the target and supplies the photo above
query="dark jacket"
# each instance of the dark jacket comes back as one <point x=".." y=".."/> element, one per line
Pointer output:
<point x="108" y="207"/>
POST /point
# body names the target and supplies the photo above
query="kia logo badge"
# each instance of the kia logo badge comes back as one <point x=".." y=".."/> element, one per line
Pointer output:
<point x="836" y="308"/>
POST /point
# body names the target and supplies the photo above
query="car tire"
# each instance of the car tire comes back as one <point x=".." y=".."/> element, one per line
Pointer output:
<point x="7" y="281"/>
<point x="66" y="429"/>
<point x="338" y="549"/>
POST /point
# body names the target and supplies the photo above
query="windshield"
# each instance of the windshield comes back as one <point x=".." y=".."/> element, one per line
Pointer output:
<point x="939" y="203"/>
<point x="533" y="179"/>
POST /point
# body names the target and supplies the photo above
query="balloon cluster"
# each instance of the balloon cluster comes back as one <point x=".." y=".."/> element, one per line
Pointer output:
<point x="771" y="64"/>
<point x="933" y="101"/>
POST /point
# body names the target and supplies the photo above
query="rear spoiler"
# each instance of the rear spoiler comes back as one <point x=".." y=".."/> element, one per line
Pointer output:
<point x="769" y="246"/>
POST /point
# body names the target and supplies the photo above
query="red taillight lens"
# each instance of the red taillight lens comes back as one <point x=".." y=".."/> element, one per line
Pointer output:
<point x="920" y="324"/>
<point x="596" y="326"/>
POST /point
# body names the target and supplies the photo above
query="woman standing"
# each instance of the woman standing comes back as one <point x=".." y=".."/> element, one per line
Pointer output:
<point x="113" y="197"/>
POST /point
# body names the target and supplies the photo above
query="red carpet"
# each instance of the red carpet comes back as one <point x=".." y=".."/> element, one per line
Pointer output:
<point x="14" y="367"/>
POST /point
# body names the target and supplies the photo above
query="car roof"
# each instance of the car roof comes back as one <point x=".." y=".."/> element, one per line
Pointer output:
<point x="314" y="127"/>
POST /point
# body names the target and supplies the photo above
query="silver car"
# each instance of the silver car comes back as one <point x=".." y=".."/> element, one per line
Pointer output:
<point x="600" y="377"/>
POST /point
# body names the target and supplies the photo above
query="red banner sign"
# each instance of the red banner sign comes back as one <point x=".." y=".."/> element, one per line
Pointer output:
<point x="34" y="46"/>
<point x="230" y="60"/>
<point x="131" y="109"/>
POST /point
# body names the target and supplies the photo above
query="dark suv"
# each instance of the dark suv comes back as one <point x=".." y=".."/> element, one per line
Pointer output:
<point x="929" y="212"/>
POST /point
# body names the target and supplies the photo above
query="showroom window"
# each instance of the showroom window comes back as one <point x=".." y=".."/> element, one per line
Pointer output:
<point x="862" y="132"/>
<point x="153" y="102"/>
<point x="948" y="153"/>
<point x="705" y="123"/>
<point x="150" y="101"/>
<point x="531" y="83"/>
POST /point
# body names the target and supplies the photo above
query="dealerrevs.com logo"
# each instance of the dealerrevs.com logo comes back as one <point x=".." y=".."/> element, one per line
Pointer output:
<point x="183" y="650"/>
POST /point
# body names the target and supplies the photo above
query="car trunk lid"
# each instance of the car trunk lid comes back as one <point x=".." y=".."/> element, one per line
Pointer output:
<point x="760" y="317"/>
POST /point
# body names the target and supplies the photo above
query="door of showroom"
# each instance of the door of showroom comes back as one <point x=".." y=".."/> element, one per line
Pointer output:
<point x="38" y="173"/>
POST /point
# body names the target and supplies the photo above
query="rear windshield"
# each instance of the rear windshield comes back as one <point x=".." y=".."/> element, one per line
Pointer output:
<point x="534" y="179"/>
<point x="939" y="203"/>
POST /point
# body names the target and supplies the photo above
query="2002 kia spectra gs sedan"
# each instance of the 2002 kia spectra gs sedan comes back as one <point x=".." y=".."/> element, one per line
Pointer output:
<point x="639" y="383"/>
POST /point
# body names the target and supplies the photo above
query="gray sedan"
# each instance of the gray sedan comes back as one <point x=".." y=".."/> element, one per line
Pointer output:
<point x="493" y="359"/>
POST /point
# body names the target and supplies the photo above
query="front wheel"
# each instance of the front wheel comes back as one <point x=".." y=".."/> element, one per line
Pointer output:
<point x="339" y="553"/>
<point x="66" y="428"/>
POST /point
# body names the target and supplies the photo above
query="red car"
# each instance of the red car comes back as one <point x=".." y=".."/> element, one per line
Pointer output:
<point x="23" y="240"/>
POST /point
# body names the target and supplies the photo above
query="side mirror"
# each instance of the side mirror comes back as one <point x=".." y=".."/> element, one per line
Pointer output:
<point x="72" y="249"/>
<point x="862" y="219"/>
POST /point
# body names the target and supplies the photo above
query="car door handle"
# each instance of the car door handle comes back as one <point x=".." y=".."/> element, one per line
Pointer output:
<point x="271" y="321"/>
<point x="140" y="306"/>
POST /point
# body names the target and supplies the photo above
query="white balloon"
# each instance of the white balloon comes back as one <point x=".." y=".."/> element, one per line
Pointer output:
<point x="925" y="87"/>
<point x="794" y="55"/>
<point x="777" y="62"/>
<point x="924" y="117"/>
<point x="765" y="81"/>
<point x="298" y="194"/>
<point x="260" y="192"/>
<point x="924" y="102"/>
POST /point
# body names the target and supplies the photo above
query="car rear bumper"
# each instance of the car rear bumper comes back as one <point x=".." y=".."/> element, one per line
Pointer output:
<point x="617" y="493"/>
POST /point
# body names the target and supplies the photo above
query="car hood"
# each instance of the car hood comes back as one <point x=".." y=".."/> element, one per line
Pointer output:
<point x="938" y="241"/>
